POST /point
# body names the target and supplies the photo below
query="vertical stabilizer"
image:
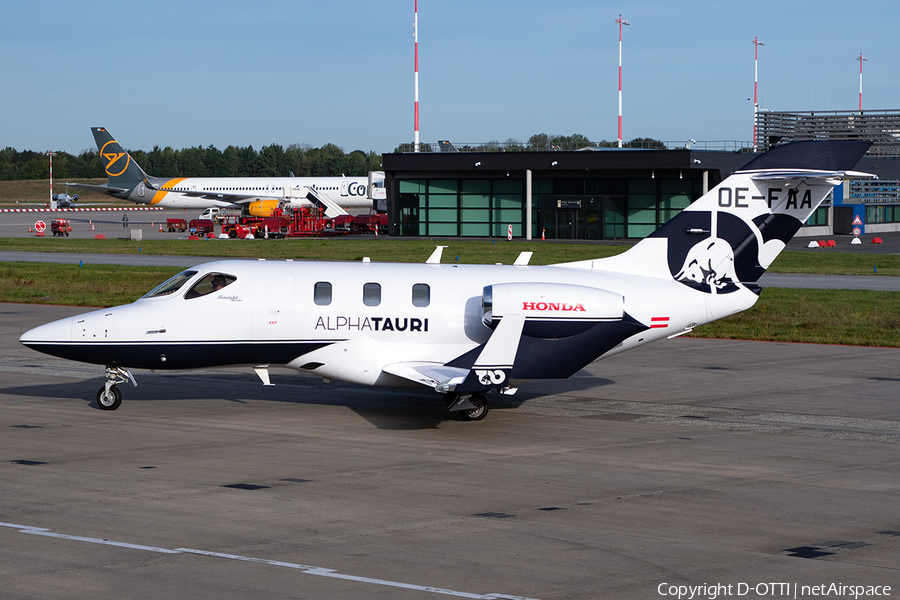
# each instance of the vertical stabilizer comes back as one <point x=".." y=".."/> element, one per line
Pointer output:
<point x="118" y="164"/>
<point x="733" y="232"/>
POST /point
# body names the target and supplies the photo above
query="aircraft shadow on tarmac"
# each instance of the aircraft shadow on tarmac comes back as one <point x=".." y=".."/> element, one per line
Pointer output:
<point x="387" y="409"/>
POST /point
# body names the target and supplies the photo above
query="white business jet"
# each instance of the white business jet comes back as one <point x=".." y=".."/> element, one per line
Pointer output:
<point x="465" y="330"/>
<point x="258" y="195"/>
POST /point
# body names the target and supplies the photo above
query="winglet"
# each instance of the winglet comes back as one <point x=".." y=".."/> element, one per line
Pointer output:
<point x="523" y="259"/>
<point x="435" y="258"/>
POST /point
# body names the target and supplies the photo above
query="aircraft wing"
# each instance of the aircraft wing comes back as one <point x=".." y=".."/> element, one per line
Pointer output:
<point x="492" y="367"/>
<point x="236" y="198"/>
<point x="428" y="374"/>
<point x="332" y="209"/>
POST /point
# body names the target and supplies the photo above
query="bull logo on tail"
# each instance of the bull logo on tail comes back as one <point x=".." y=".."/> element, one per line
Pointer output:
<point x="709" y="265"/>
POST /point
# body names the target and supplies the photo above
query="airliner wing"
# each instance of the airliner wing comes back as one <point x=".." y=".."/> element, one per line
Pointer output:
<point x="235" y="198"/>
<point x="332" y="209"/>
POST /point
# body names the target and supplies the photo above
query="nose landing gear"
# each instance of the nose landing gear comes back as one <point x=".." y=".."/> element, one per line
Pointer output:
<point x="109" y="397"/>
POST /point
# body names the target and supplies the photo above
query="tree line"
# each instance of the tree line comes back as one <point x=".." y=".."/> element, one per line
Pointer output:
<point x="270" y="161"/>
<point x="538" y="142"/>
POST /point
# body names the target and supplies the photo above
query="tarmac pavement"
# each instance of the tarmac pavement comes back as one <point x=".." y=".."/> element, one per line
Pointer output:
<point x="685" y="463"/>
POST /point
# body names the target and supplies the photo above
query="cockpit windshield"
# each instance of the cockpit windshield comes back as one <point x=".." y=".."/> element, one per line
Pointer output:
<point x="170" y="286"/>
<point x="208" y="284"/>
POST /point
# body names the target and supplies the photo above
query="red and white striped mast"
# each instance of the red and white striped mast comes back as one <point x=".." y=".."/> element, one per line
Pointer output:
<point x="620" y="22"/>
<point x="860" y="58"/>
<point x="416" y="42"/>
<point x="756" y="45"/>
<point x="51" y="153"/>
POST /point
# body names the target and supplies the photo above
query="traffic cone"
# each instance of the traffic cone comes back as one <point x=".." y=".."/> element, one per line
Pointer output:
<point x="543" y="234"/>
<point x="160" y="228"/>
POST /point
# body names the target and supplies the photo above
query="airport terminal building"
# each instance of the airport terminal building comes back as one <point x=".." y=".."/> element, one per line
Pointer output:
<point x="602" y="194"/>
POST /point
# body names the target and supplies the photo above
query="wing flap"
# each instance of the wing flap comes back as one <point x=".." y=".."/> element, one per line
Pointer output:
<point x="428" y="374"/>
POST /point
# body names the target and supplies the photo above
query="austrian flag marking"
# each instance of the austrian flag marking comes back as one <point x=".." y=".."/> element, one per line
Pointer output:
<point x="659" y="322"/>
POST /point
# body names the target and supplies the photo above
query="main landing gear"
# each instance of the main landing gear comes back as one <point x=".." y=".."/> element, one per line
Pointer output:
<point x="109" y="397"/>
<point x="470" y="406"/>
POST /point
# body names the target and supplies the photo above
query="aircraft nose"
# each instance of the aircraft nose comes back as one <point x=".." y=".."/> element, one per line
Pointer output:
<point x="49" y="334"/>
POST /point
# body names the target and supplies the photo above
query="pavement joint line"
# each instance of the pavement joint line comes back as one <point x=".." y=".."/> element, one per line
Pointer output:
<point x="305" y="569"/>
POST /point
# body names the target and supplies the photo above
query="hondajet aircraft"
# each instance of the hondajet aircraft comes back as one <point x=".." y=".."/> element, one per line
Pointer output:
<point x="465" y="330"/>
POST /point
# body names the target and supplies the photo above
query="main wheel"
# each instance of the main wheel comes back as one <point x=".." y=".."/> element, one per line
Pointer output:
<point x="479" y="412"/>
<point x="111" y="400"/>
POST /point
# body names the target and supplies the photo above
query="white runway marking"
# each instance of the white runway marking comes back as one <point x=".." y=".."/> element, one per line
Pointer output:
<point x="305" y="569"/>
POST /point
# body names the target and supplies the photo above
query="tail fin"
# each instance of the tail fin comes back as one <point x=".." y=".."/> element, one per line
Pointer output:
<point x="732" y="233"/>
<point x="120" y="167"/>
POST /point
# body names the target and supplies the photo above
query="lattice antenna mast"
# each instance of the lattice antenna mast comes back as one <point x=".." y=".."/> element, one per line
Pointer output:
<point x="756" y="45"/>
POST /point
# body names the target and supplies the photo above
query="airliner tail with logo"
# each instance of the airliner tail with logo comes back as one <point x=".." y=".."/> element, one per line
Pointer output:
<point x="465" y="331"/>
<point x="256" y="195"/>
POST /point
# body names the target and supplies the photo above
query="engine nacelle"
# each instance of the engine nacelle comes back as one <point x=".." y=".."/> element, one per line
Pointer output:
<point x="552" y="310"/>
<point x="262" y="208"/>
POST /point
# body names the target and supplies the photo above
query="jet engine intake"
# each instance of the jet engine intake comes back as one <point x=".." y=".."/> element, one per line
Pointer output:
<point x="262" y="208"/>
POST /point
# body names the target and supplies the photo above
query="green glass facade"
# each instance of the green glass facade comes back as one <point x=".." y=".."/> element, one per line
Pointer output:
<point x="462" y="207"/>
<point x="575" y="208"/>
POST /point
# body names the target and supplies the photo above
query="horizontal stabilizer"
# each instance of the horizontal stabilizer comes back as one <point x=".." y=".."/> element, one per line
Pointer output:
<point x="100" y="189"/>
<point x="789" y="174"/>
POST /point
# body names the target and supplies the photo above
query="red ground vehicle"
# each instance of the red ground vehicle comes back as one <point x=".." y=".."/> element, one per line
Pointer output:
<point x="179" y="224"/>
<point x="201" y="226"/>
<point x="61" y="227"/>
<point x="370" y="224"/>
<point x="305" y="221"/>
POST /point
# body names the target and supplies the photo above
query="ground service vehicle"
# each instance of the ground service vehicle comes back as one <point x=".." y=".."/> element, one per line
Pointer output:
<point x="60" y="227"/>
<point x="176" y="224"/>
<point x="201" y="226"/>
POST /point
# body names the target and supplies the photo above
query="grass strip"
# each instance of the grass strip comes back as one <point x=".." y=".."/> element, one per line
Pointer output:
<point x="345" y="248"/>
<point x="850" y="317"/>
<point x="90" y="285"/>
<point x="462" y="251"/>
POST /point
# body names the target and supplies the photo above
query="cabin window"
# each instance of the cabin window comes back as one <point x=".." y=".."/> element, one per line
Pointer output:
<point x="372" y="294"/>
<point x="322" y="293"/>
<point x="212" y="282"/>
<point x="170" y="285"/>
<point x="421" y="294"/>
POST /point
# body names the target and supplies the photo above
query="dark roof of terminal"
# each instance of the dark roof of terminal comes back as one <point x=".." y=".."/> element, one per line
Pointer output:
<point x="608" y="159"/>
<point x="413" y="164"/>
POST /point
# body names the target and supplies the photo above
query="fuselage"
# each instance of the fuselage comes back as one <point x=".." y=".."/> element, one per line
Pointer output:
<point x="224" y="192"/>
<point x="349" y="320"/>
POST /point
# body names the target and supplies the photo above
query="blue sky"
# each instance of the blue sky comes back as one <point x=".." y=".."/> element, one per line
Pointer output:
<point x="200" y="73"/>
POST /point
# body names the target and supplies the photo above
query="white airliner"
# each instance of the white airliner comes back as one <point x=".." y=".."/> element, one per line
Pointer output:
<point x="258" y="195"/>
<point x="465" y="330"/>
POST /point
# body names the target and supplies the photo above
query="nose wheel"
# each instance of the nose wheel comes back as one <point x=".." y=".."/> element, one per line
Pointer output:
<point x="109" y="397"/>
